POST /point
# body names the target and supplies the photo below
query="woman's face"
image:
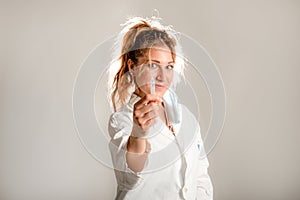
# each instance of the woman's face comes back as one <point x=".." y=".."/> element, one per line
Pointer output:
<point x="156" y="70"/>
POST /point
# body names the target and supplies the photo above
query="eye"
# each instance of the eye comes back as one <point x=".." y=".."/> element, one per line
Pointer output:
<point x="153" y="65"/>
<point x="170" y="67"/>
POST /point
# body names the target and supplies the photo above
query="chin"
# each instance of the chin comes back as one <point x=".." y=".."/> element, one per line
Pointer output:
<point x="161" y="93"/>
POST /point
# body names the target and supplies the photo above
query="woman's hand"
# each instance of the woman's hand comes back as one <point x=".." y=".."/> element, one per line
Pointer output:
<point x="145" y="114"/>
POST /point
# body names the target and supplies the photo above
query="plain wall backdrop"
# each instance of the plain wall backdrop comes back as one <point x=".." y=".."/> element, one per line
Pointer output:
<point x="254" y="43"/>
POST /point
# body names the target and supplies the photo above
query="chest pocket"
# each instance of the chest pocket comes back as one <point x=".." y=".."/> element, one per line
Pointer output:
<point x="194" y="152"/>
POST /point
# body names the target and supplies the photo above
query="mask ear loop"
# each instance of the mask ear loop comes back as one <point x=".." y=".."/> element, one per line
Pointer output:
<point x="132" y="81"/>
<point x="135" y="71"/>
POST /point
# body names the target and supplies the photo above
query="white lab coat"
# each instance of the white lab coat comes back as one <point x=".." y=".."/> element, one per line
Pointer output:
<point x="174" y="169"/>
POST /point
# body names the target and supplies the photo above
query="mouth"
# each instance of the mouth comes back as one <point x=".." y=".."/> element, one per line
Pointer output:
<point x="159" y="86"/>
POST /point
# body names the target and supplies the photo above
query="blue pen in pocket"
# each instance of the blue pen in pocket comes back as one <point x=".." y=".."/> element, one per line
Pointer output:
<point x="199" y="146"/>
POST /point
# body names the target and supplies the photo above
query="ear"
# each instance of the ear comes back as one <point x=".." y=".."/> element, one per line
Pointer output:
<point x="130" y="64"/>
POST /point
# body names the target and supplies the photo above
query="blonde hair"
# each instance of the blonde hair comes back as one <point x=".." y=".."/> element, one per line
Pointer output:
<point x="136" y="38"/>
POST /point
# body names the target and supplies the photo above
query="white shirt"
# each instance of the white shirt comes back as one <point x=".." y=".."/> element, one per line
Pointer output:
<point x="174" y="169"/>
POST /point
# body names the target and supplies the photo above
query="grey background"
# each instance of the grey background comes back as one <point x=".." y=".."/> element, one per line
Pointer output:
<point x="255" y="44"/>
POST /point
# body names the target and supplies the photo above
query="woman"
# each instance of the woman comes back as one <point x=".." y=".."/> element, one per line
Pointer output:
<point x="141" y="127"/>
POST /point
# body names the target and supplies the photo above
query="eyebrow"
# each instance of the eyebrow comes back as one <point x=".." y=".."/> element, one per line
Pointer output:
<point x="157" y="61"/>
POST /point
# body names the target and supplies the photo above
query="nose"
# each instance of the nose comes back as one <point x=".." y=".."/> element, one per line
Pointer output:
<point x="160" y="74"/>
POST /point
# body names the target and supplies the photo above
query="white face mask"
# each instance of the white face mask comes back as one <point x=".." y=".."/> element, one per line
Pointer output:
<point x="171" y="107"/>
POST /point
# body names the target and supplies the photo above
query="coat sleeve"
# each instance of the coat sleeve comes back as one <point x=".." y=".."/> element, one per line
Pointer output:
<point x="204" y="184"/>
<point x="119" y="128"/>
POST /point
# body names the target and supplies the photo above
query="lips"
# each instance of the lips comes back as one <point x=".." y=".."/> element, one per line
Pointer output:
<point x="159" y="86"/>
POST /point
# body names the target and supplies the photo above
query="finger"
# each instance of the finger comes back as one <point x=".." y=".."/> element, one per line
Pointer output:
<point x="141" y="121"/>
<point x="149" y="123"/>
<point x="146" y="99"/>
<point x="145" y="109"/>
<point x="148" y="116"/>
